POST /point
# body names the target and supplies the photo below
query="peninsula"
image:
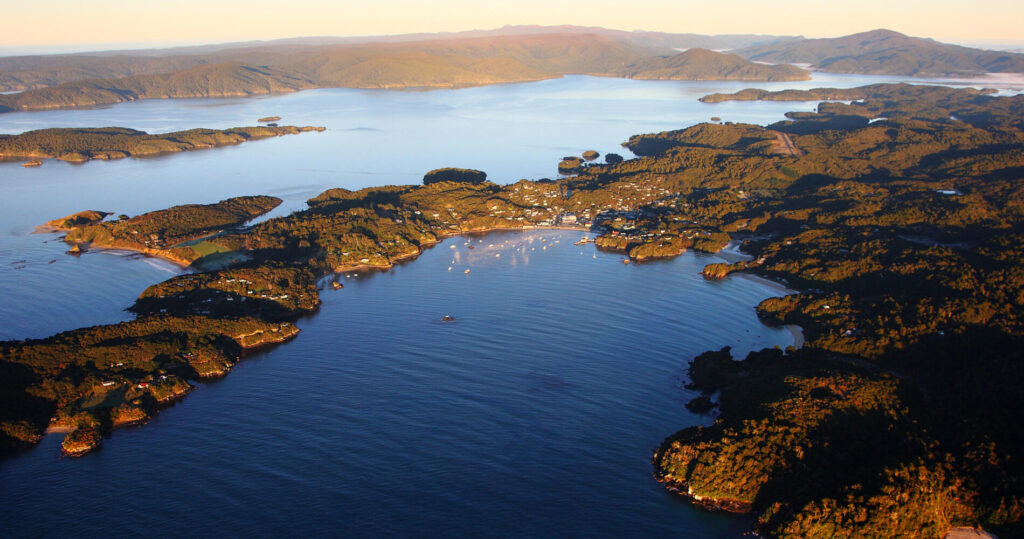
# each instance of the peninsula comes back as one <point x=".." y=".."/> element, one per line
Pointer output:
<point x="83" y="144"/>
<point x="904" y="234"/>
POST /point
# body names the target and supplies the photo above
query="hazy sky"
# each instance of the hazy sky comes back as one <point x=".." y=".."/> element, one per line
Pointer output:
<point x="40" y="24"/>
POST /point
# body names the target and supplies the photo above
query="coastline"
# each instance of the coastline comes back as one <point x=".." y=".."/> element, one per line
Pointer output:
<point x="731" y="253"/>
<point x="249" y="342"/>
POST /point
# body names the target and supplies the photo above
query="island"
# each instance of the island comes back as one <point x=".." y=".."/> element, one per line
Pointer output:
<point x="904" y="237"/>
<point x="83" y="144"/>
<point x="450" y="174"/>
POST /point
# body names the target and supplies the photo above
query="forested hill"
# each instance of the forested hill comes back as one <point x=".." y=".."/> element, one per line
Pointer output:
<point x="885" y="52"/>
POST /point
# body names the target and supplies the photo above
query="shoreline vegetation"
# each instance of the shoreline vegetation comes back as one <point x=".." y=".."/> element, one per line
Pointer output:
<point x="78" y="145"/>
<point x="904" y="238"/>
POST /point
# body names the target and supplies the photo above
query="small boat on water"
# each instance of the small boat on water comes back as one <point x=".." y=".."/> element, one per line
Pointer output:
<point x="447" y="318"/>
<point x="625" y="261"/>
<point x="466" y="272"/>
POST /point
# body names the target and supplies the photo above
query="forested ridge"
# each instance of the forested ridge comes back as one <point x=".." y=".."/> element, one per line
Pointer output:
<point x="83" y="144"/>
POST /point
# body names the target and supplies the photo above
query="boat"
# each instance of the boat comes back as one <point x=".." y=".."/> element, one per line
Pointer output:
<point x="466" y="272"/>
<point x="447" y="318"/>
<point x="625" y="261"/>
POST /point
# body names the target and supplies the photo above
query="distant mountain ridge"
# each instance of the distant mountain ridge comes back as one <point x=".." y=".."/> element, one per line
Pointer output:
<point x="33" y="72"/>
<point x="444" y="63"/>
<point x="504" y="55"/>
<point x="641" y="38"/>
<point x="885" y="52"/>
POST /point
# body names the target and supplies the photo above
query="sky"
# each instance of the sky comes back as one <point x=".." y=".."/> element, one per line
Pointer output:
<point x="64" y="25"/>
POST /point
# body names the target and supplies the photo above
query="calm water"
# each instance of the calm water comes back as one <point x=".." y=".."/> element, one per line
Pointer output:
<point x="534" y="414"/>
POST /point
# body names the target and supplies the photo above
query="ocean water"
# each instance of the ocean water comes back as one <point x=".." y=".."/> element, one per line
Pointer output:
<point x="535" y="413"/>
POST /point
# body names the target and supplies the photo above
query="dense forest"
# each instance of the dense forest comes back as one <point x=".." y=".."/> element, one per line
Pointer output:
<point x="899" y="217"/>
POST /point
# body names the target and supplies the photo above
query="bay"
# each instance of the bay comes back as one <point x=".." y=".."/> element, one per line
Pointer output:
<point x="535" y="413"/>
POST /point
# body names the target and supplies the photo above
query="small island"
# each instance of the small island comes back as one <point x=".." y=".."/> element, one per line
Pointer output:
<point x="457" y="175"/>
